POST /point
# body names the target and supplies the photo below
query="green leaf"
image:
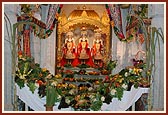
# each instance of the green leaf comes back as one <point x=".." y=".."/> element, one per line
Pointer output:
<point x="20" y="83"/>
<point x="96" y="105"/>
<point x="136" y="85"/>
<point x="119" y="93"/>
<point x="51" y="95"/>
<point x="31" y="86"/>
<point x="111" y="65"/>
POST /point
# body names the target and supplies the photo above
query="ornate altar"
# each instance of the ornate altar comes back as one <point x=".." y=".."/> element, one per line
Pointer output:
<point x="84" y="38"/>
<point x="85" y="25"/>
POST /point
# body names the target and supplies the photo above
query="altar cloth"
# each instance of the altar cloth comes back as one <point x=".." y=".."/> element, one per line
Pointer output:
<point x="37" y="104"/>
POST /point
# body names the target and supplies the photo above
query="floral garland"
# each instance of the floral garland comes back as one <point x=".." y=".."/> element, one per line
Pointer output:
<point x="83" y="96"/>
<point x="114" y="13"/>
<point x="45" y="29"/>
<point x="53" y="13"/>
<point x="133" y="27"/>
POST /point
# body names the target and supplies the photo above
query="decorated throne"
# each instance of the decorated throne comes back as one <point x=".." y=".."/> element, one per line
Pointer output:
<point x="86" y="26"/>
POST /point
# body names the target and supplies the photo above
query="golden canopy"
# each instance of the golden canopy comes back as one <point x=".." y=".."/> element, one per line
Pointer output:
<point x="88" y="13"/>
<point x="81" y="17"/>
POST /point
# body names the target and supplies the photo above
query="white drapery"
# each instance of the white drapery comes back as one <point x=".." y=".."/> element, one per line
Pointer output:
<point x="37" y="103"/>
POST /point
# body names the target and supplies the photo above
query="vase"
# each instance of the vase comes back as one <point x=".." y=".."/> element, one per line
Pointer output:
<point x="49" y="108"/>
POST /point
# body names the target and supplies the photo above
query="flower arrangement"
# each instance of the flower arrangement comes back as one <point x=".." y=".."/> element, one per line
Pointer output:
<point x="131" y="75"/>
<point x="28" y="72"/>
<point x="88" y="96"/>
<point x="82" y="97"/>
<point x="108" y="66"/>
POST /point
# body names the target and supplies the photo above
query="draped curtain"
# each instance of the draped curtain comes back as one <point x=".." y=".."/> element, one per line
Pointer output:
<point x="43" y="50"/>
<point x="124" y="52"/>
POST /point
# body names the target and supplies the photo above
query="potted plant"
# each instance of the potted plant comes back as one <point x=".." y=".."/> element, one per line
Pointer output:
<point x="51" y="96"/>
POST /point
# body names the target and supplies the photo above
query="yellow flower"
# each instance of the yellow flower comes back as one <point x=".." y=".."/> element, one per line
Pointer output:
<point x="148" y="72"/>
<point x="135" y="70"/>
<point x="58" y="76"/>
<point x="120" y="81"/>
<point x="120" y="76"/>
<point x="44" y="69"/>
<point x="131" y="80"/>
<point x="80" y="88"/>
<point x="72" y="86"/>
<point x="59" y="85"/>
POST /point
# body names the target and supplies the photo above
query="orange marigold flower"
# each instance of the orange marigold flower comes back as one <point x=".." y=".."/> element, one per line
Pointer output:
<point x="40" y="75"/>
<point x="117" y="84"/>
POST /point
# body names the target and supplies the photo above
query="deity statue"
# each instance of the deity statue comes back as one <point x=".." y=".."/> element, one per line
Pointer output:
<point x="69" y="50"/>
<point x="97" y="49"/>
<point x="84" y="53"/>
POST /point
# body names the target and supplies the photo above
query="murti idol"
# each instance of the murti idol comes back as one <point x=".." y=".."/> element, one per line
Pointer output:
<point x="97" y="49"/>
<point x="69" y="50"/>
<point x="83" y="50"/>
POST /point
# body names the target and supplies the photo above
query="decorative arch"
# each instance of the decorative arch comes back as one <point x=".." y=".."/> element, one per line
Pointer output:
<point x="79" y="18"/>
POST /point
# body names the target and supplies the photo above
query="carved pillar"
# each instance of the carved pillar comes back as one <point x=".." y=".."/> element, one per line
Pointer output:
<point x="59" y="48"/>
<point x="26" y="42"/>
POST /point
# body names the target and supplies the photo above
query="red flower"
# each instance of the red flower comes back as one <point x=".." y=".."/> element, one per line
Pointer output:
<point x="39" y="82"/>
<point x="69" y="72"/>
<point x="19" y="53"/>
<point x="106" y="77"/>
<point x="121" y="35"/>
